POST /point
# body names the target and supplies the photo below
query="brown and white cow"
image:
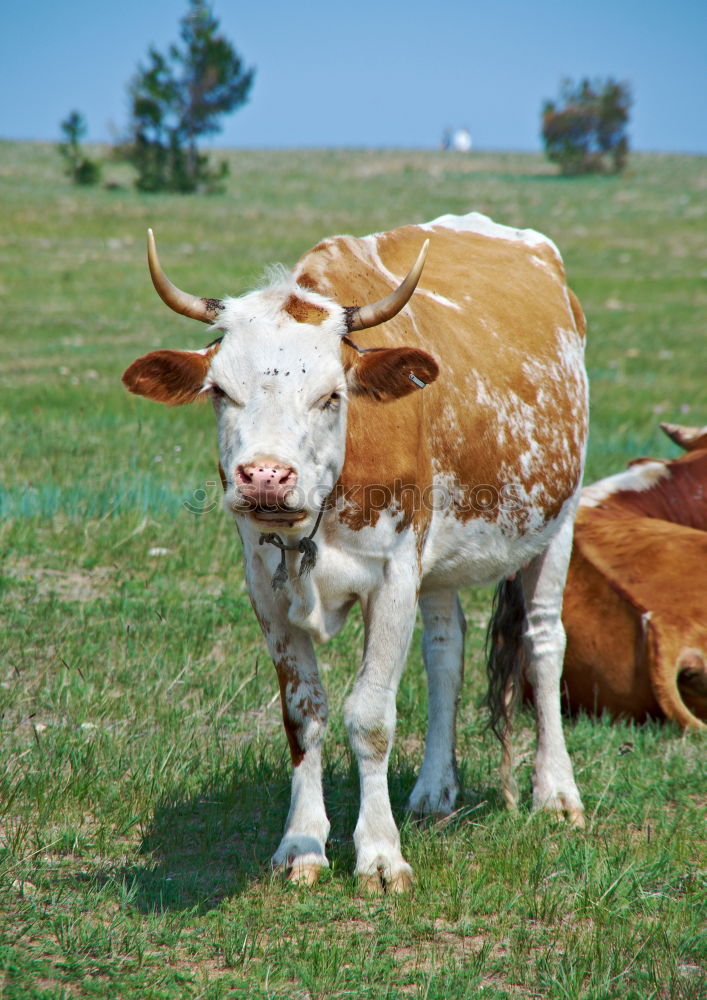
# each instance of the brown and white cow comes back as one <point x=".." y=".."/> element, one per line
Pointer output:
<point x="635" y="606"/>
<point x="453" y="460"/>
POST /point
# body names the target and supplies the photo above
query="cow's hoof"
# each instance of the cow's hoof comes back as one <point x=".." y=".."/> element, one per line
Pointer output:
<point x="438" y="801"/>
<point x="300" y="859"/>
<point x="576" y="817"/>
<point x="563" y="809"/>
<point x="385" y="882"/>
<point x="370" y="885"/>
<point x="303" y="873"/>
<point x="400" y="882"/>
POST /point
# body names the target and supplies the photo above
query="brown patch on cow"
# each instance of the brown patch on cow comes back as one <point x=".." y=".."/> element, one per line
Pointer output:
<point x="376" y="738"/>
<point x="305" y="312"/>
<point x="306" y="281"/>
<point x="387" y="463"/>
<point x="301" y="698"/>
<point x="169" y="377"/>
<point x="287" y="676"/>
<point x="281" y="647"/>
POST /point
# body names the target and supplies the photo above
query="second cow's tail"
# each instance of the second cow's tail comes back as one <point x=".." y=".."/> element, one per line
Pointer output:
<point x="505" y="656"/>
<point x="505" y="663"/>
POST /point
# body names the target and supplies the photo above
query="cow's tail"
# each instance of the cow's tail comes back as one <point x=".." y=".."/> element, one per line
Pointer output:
<point x="505" y="661"/>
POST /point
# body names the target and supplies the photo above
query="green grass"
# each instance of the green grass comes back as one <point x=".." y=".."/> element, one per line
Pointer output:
<point x="146" y="778"/>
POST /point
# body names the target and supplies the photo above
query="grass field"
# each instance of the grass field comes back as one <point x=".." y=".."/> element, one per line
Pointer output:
<point x="145" y="775"/>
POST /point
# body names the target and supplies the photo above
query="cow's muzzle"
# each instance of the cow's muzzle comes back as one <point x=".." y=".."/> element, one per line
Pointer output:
<point x="267" y="490"/>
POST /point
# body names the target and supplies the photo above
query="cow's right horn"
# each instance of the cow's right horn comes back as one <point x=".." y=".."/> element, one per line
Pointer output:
<point x="363" y="317"/>
<point x="206" y="310"/>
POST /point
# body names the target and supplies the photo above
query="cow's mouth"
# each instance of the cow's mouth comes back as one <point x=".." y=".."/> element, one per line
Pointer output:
<point x="276" y="515"/>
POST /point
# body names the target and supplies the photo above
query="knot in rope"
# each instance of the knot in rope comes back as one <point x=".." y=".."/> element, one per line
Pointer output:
<point x="307" y="546"/>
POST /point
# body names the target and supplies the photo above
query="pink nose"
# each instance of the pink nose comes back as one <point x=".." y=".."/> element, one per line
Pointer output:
<point x="266" y="482"/>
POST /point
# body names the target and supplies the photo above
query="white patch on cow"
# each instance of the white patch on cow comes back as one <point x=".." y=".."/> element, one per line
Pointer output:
<point x="537" y="261"/>
<point x="441" y="299"/>
<point x="637" y="478"/>
<point x="529" y="459"/>
<point x="475" y="222"/>
<point x="344" y="573"/>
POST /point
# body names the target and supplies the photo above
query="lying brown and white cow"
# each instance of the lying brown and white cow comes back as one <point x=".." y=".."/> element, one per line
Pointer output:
<point x="448" y="454"/>
<point x="635" y="605"/>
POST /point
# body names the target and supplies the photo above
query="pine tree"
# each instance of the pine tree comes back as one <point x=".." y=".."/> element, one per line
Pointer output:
<point x="179" y="97"/>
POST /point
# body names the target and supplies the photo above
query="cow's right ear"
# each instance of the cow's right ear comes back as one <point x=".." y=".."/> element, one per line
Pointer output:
<point x="385" y="373"/>
<point x="170" y="377"/>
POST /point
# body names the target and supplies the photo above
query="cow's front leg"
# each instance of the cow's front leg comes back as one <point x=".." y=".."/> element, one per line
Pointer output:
<point x="301" y="852"/>
<point x="369" y="713"/>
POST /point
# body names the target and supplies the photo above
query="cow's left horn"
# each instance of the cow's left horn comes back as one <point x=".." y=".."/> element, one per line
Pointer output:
<point x="362" y="317"/>
<point x="206" y="310"/>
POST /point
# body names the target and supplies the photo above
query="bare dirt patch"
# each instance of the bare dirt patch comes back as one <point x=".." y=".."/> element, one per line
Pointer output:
<point x="72" y="585"/>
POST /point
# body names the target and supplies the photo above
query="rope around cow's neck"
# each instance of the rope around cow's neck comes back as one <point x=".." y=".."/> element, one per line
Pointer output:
<point x="307" y="546"/>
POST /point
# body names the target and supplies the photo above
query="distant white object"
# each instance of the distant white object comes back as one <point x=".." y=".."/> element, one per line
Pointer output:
<point x="458" y="139"/>
<point x="461" y="140"/>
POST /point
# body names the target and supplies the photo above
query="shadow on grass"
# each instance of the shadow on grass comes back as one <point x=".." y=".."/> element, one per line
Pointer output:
<point x="217" y="843"/>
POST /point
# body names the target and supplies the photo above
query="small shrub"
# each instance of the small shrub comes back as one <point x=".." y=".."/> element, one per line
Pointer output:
<point x="585" y="130"/>
<point x="79" y="167"/>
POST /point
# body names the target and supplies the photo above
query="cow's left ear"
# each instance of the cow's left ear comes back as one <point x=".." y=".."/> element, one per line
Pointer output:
<point x="170" y="377"/>
<point x="391" y="372"/>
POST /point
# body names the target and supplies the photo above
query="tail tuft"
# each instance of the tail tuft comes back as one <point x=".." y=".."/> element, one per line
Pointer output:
<point x="505" y="656"/>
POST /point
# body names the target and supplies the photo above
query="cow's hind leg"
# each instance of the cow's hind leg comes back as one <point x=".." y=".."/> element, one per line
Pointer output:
<point x="543" y="583"/>
<point x="437" y="785"/>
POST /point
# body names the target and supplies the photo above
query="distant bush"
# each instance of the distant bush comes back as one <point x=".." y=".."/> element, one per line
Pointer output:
<point x="79" y="167"/>
<point x="584" y="131"/>
<point x="179" y="97"/>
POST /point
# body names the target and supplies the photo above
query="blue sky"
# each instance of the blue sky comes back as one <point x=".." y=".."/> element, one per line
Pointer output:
<point x="369" y="72"/>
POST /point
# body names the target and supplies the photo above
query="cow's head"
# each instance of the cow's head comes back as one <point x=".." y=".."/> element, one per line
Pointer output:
<point x="280" y="383"/>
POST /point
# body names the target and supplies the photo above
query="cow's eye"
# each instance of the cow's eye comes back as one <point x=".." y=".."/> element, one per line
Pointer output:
<point x="331" y="402"/>
<point x="219" y="393"/>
